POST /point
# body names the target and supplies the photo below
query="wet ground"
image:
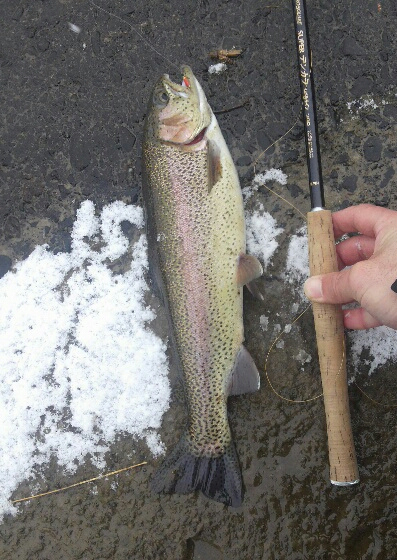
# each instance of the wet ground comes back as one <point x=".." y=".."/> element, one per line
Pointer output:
<point x="73" y="107"/>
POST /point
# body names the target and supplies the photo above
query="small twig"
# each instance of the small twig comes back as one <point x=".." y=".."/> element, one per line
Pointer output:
<point x="233" y="108"/>
<point x="78" y="483"/>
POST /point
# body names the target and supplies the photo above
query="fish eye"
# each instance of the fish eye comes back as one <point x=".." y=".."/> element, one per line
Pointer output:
<point x="161" y="99"/>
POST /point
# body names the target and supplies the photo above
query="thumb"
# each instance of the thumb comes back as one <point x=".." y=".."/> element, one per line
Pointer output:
<point x="335" y="287"/>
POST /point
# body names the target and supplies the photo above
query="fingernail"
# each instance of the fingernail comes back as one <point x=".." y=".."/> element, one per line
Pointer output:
<point x="313" y="288"/>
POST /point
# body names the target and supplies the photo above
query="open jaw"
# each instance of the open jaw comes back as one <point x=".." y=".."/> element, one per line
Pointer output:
<point x="188" y="132"/>
<point x="178" y="89"/>
<point x="200" y="136"/>
<point x="186" y="85"/>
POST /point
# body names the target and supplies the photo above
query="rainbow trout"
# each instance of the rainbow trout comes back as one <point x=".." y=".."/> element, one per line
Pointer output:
<point x="196" y="239"/>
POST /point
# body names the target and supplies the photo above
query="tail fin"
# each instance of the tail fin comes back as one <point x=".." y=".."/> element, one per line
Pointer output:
<point x="219" y="478"/>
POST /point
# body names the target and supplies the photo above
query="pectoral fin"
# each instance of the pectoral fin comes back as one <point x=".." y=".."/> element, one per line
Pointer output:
<point x="214" y="164"/>
<point x="255" y="291"/>
<point x="248" y="269"/>
<point x="245" y="376"/>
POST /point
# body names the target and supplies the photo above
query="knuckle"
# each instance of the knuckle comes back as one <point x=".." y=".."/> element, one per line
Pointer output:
<point x="339" y="286"/>
<point x="331" y="286"/>
<point x="360" y="279"/>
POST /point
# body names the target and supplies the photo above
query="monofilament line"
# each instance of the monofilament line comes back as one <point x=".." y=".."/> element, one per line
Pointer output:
<point x="137" y="32"/>
<point x="267" y="373"/>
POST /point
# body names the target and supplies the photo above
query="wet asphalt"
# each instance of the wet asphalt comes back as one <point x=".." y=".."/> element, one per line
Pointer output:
<point x="73" y="107"/>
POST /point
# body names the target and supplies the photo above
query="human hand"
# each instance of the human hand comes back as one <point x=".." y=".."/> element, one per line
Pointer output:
<point x="371" y="258"/>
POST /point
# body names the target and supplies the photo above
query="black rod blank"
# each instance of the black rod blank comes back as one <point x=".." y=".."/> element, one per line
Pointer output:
<point x="308" y="104"/>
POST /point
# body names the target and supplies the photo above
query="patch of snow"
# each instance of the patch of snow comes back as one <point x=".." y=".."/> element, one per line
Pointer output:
<point x="217" y="68"/>
<point x="262" y="231"/>
<point x="78" y="361"/>
<point x="297" y="265"/>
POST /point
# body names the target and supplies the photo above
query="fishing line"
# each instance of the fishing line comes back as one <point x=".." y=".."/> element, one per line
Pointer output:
<point x="254" y="167"/>
<point x="270" y="350"/>
<point x="268" y="188"/>
<point x="284" y="200"/>
<point x="265" y="186"/>
<point x="299" y="401"/>
<point x="373" y="400"/>
<point x="274" y="143"/>
<point x="267" y="373"/>
<point x="137" y="32"/>
<point x="295" y="320"/>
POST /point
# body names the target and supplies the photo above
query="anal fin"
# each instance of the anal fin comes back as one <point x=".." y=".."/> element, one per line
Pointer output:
<point x="245" y="375"/>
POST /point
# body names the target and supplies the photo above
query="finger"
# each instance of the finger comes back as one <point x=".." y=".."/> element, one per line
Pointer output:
<point x="354" y="249"/>
<point x="335" y="287"/>
<point x="359" y="319"/>
<point x="364" y="218"/>
<point x="341" y="264"/>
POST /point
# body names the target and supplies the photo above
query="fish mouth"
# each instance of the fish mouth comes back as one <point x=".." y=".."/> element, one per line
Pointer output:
<point x="189" y="82"/>
<point x="187" y="88"/>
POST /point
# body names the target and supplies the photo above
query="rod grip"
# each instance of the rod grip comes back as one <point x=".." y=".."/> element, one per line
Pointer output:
<point x="328" y="320"/>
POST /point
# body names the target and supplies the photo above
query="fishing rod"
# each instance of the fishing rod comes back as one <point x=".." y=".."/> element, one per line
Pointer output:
<point x="328" y="318"/>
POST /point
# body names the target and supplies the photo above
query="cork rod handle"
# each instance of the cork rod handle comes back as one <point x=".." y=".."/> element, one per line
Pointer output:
<point x="328" y="320"/>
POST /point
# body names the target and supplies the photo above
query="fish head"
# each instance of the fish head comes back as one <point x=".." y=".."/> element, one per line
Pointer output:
<point x="179" y="113"/>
